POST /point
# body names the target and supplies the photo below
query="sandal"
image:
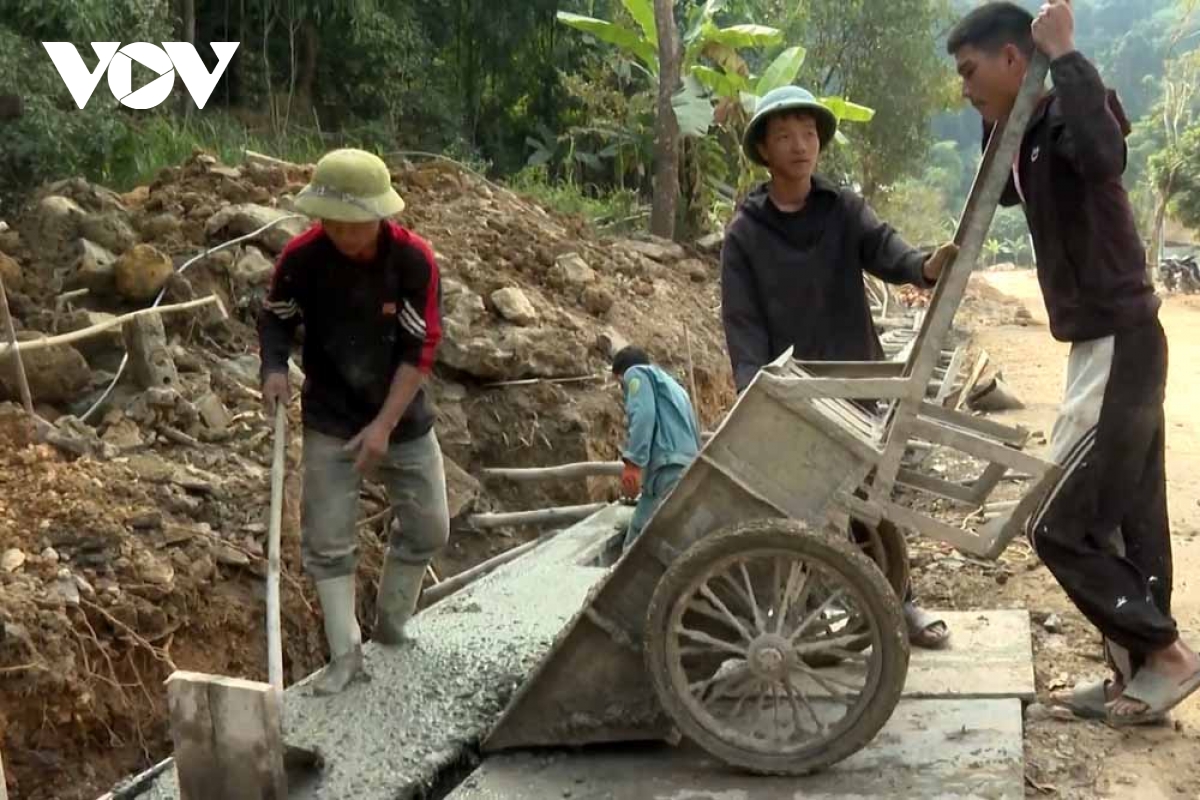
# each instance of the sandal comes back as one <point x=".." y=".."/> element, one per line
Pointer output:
<point x="1155" y="691"/>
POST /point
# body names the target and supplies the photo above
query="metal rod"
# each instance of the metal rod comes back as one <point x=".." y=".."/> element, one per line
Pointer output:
<point x="583" y="469"/>
<point x="274" y="631"/>
<point x="544" y="516"/>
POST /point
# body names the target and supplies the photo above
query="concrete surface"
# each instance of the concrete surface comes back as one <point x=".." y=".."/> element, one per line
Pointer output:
<point x="431" y="700"/>
<point x="930" y="749"/>
<point x="990" y="655"/>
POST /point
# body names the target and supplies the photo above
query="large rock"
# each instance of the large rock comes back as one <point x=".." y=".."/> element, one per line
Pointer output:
<point x="475" y="346"/>
<point x="142" y="272"/>
<point x="10" y="272"/>
<point x="514" y="306"/>
<point x="253" y="268"/>
<point x="661" y="250"/>
<point x="53" y="226"/>
<point x="107" y="343"/>
<point x="56" y="374"/>
<point x="240" y="220"/>
<point x="95" y="269"/>
<point x="574" y="270"/>
<point x="111" y="231"/>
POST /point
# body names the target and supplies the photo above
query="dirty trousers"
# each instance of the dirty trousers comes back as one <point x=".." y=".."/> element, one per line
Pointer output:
<point x="413" y="475"/>
<point x="1103" y="529"/>
<point x="655" y="488"/>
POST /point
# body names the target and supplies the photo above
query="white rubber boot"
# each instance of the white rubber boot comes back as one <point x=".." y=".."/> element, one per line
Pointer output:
<point x="399" y="590"/>
<point x="343" y="635"/>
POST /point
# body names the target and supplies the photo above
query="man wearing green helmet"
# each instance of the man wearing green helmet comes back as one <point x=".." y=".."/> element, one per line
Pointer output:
<point x="793" y="259"/>
<point x="368" y="294"/>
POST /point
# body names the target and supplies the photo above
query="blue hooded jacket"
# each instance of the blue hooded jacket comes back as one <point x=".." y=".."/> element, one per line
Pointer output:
<point x="662" y="425"/>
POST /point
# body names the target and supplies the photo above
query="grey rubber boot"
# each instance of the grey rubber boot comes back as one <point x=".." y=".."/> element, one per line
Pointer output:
<point x="399" y="589"/>
<point x="343" y="635"/>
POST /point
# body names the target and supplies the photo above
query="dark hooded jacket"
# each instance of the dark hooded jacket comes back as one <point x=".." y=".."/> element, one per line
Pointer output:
<point x="796" y="279"/>
<point x="1090" y="261"/>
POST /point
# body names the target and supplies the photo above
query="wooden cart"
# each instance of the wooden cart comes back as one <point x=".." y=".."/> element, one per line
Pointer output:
<point x="759" y="612"/>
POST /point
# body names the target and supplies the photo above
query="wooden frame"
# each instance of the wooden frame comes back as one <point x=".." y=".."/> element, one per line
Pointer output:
<point x="916" y="387"/>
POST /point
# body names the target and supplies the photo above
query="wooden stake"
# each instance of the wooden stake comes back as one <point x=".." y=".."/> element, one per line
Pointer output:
<point x="451" y="585"/>
<point x="687" y="339"/>
<point x="3" y="785"/>
<point x="274" y="630"/>
<point x="19" y="365"/>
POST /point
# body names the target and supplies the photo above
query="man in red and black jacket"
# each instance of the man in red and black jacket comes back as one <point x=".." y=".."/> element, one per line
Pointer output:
<point x="1103" y="530"/>
<point x="367" y="293"/>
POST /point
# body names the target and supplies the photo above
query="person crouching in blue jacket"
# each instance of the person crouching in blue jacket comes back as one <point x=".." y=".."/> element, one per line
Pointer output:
<point x="663" y="437"/>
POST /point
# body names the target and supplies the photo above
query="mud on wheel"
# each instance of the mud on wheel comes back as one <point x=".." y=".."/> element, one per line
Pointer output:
<point x="733" y="625"/>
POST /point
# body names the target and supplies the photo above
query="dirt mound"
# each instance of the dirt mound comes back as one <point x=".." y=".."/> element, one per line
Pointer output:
<point x="131" y="540"/>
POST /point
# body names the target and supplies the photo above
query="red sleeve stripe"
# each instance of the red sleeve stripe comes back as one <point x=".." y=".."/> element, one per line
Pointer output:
<point x="433" y="316"/>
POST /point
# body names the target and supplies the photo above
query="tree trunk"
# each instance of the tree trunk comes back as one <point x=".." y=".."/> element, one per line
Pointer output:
<point x="187" y="16"/>
<point x="666" y="129"/>
<point x="1160" y="221"/>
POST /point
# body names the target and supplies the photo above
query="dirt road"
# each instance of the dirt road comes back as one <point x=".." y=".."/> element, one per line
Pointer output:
<point x="1079" y="759"/>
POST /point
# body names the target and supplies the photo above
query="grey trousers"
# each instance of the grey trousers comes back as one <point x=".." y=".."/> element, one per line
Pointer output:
<point x="415" y="480"/>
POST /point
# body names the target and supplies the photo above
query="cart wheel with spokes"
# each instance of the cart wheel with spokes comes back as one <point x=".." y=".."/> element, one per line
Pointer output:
<point x="733" y="625"/>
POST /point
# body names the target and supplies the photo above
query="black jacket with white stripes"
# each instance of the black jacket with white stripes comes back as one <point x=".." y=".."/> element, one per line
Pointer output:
<point x="361" y="321"/>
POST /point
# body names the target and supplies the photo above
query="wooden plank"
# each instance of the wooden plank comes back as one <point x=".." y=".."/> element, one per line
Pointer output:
<point x="1005" y="433"/>
<point x="966" y="541"/>
<point x="997" y="534"/>
<point x="740" y="482"/>
<point x="942" y="488"/>
<point x="951" y="375"/>
<point x="990" y="181"/>
<point x="851" y="369"/>
<point x="978" y="446"/>
<point x="987" y="482"/>
<point x="848" y="388"/>
<point x="976" y="373"/>
<point x="228" y="737"/>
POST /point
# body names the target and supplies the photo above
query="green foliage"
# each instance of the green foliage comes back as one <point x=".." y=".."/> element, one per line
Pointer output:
<point x="1186" y="203"/>
<point x="611" y="208"/>
<point x="918" y="211"/>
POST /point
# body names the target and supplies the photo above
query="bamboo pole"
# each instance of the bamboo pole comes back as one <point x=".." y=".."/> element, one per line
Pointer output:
<point x="687" y="339"/>
<point x="13" y="346"/>
<point x="3" y="785"/>
<point x="451" y="585"/>
<point x="100" y="327"/>
<point x="274" y="630"/>
<point x="543" y="516"/>
<point x="583" y="469"/>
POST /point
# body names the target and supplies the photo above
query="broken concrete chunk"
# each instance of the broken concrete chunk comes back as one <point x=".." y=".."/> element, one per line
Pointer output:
<point x="54" y="225"/>
<point x="514" y="306"/>
<point x="123" y="435"/>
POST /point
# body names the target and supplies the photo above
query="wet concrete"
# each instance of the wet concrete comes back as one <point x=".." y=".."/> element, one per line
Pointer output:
<point x="930" y="749"/>
<point x="431" y="700"/>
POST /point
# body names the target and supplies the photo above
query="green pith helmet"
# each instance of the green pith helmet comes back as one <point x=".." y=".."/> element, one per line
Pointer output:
<point x="350" y="186"/>
<point x="786" y="98"/>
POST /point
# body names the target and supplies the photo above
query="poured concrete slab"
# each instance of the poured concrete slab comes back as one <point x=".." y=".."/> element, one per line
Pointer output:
<point x="431" y="700"/>
<point x="990" y="654"/>
<point x="930" y="749"/>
